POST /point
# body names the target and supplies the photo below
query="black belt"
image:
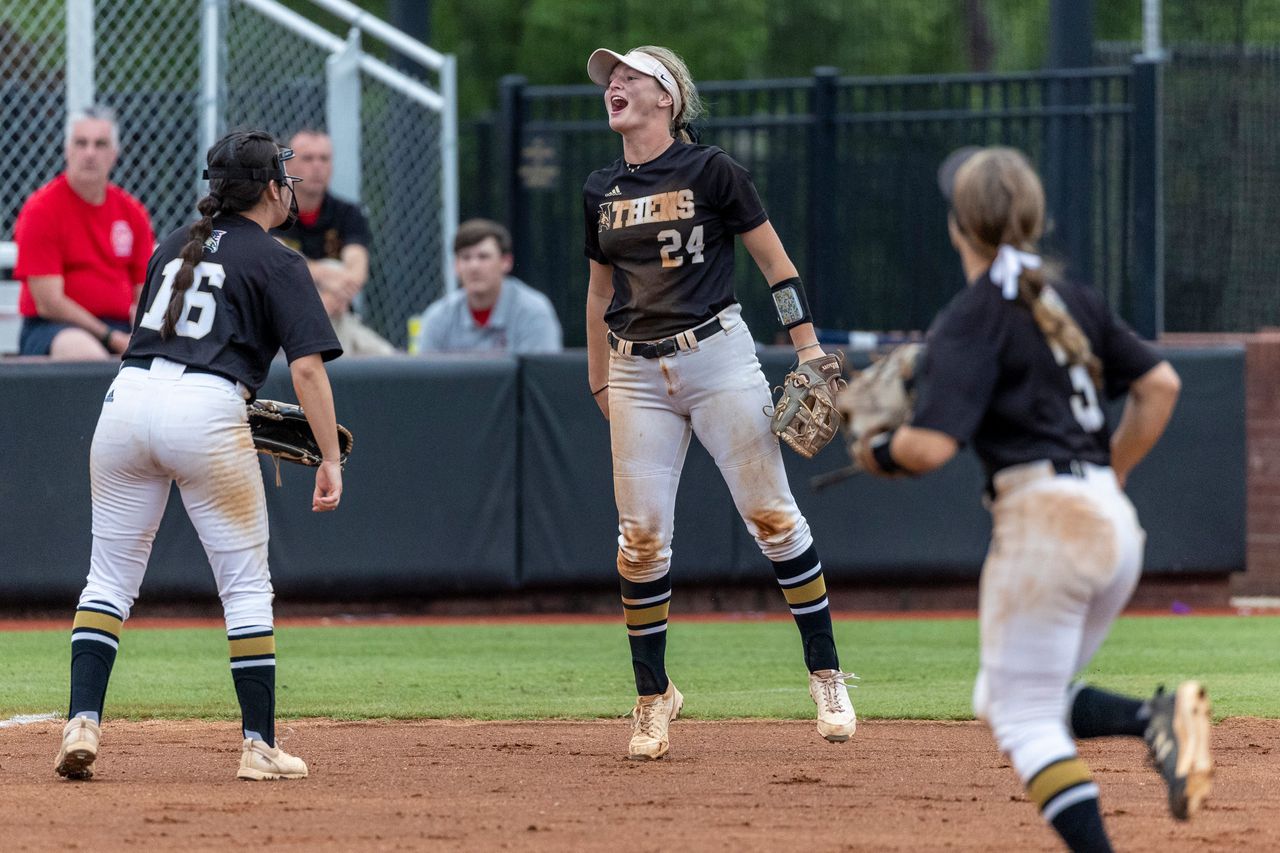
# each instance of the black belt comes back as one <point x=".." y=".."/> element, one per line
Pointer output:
<point x="669" y="346"/>
<point x="144" y="362"/>
<point x="1074" y="467"/>
<point x="1061" y="467"/>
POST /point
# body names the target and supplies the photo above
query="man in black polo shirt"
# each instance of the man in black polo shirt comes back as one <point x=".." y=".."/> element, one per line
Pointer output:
<point x="333" y="235"/>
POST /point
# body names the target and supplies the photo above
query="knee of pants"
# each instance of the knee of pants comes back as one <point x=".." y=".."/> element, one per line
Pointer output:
<point x="242" y="609"/>
<point x="102" y="589"/>
<point x="642" y="571"/>
<point x="781" y="536"/>
<point x="243" y="571"/>
<point x="644" y="553"/>
<point x="1031" y="737"/>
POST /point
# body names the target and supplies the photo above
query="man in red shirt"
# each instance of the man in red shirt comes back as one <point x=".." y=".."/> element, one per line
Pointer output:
<point x="83" y="247"/>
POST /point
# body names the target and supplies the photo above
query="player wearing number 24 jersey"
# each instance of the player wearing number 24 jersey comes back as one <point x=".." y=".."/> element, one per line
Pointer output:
<point x="669" y="357"/>
<point x="220" y="300"/>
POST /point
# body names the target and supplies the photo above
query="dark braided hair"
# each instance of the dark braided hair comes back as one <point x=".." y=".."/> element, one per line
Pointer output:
<point x="244" y="149"/>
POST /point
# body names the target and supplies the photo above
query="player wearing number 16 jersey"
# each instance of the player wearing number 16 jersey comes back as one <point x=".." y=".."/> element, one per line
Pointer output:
<point x="220" y="300"/>
<point x="669" y="356"/>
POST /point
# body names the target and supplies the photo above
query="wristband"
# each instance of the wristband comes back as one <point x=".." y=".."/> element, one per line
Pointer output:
<point x="790" y="303"/>
<point x="598" y="390"/>
<point x="880" y="451"/>
<point x="106" y="338"/>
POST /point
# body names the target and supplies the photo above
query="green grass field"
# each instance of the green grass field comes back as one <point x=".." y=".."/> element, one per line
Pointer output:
<point x="920" y="669"/>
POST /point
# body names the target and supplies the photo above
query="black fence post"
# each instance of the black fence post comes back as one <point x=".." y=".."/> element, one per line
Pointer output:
<point x="1146" y="279"/>
<point x="823" y="257"/>
<point x="1069" y="162"/>
<point x="510" y="126"/>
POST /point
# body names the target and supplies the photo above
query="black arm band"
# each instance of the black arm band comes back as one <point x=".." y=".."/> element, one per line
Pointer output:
<point x="880" y="451"/>
<point x="789" y="300"/>
<point x="106" y="337"/>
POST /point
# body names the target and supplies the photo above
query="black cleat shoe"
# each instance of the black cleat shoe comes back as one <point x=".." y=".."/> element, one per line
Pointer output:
<point x="1178" y="737"/>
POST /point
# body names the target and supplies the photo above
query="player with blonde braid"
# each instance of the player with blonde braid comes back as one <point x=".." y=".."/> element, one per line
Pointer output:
<point x="1016" y="365"/>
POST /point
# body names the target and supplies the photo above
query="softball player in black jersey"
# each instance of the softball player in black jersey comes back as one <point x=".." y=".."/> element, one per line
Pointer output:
<point x="220" y="300"/>
<point x="1016" y="365"/>
<point x="669" y="355"/>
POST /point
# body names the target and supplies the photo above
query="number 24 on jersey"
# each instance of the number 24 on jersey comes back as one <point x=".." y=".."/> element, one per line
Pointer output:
<point x="670" y="239"/>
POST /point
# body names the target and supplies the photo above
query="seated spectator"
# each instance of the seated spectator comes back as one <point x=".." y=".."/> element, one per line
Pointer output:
<point x="490" y="310"/>
<point x="83" y="247"/>
<point x="333" y="235"/>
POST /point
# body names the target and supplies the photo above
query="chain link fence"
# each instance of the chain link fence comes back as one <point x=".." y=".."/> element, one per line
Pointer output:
<point x="32" y="103"/>
<point x="147" y="66"/>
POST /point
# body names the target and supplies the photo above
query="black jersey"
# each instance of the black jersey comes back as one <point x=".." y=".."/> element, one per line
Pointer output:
<point x="667" y="229"/>
<point x="990" y="377"/>
<point x="251" y="296"/>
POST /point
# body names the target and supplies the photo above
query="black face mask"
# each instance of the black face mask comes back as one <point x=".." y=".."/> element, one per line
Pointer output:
<point x="287" y="180"/>
<point x="292" y="218"/>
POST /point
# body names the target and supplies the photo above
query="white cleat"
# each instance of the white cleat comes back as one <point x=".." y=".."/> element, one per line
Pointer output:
<point x="836" y="719"/>
<point x="259" y="761"/>
<point x="650" y="738"/>
<point x="79" y="749"/>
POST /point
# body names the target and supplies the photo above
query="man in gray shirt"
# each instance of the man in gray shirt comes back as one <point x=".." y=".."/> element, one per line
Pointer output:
<point x="490" y="311"/>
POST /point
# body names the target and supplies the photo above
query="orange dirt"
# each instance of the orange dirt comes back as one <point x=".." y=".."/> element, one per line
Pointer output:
<point x="742" y="785"/>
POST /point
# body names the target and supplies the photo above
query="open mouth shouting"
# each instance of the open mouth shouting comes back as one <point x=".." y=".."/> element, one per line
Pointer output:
<point x="617" y="104"/>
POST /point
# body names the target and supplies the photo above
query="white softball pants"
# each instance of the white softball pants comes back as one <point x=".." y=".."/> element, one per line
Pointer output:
<point x="717" y="391"/>
<point x="166" y="425"/>
<point x="1065" y="556"/>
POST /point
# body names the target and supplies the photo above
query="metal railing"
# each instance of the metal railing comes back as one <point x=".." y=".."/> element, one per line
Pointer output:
<point x="236" y="63"/>
<point x="846" y="167"/>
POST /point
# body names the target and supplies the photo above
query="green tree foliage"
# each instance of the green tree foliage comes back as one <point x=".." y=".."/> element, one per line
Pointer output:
<point x="865" y="37"/>
<point x="548" y="41"/>
<point x="717" y="38"/>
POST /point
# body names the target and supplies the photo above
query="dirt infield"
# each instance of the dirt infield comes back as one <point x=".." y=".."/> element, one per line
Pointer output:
<point x="448" y="785"/>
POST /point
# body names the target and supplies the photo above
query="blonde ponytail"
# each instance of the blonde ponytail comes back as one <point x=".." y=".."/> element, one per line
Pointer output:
<point x="998" y="199"/>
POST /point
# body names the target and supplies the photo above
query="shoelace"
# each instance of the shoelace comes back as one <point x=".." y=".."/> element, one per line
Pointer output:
<point x="647" y="717"/>
<point x="830" y="695"/>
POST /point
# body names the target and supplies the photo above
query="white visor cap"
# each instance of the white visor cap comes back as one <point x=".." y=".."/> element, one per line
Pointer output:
<point x="603" y="61"/>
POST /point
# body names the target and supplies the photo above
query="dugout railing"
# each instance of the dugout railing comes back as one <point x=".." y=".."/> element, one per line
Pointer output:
<point x="846" y="168"/>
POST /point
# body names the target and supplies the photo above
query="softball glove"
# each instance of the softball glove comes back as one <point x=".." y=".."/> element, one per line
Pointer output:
<point x="280" y="430"/>
<point x="804" y="413"/>
<point x="881" y="397"/>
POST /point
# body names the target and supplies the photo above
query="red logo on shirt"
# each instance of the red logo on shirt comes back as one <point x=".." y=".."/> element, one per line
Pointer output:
<point x="121" y="238"/>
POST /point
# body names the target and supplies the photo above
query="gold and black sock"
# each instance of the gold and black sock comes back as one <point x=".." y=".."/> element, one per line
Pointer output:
<point x="645" y="606"/>
<point x="95" y="639"/>
<point x="253" y="670"/>
<point x="1068" y="799"/>
<point x="806" y="593"/>
<point x="1097" y="713"/>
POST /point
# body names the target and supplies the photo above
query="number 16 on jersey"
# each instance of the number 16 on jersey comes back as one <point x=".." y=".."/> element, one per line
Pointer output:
<point x="206" y="274"/>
